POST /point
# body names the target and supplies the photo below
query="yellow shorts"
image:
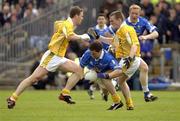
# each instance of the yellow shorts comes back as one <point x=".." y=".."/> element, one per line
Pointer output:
<point x="51" y="61"/>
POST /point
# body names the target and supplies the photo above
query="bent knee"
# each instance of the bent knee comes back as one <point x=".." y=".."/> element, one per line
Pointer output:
<point x="122" y="82"/>
<point x="79" y="72"/>
<point x="144" y="67"/>
<point x="35" y="79"/>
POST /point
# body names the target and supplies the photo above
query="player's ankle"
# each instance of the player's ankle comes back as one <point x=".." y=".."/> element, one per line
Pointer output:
<point x="14" y="97"/>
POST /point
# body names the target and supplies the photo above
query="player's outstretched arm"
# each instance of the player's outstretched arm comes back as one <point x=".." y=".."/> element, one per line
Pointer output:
<point x="107" y="40"/>
<point x="152" y="35"/>
<point x="79" y="37"/>
<point x="111" y="75"/>
<point x="94" y="35"/>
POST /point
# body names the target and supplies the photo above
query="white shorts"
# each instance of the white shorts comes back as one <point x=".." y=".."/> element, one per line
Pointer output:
<point x="51" y="61"/>
<point x="132" y="69"/>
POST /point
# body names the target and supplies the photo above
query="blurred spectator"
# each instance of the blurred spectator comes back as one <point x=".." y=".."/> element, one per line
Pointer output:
<point x="130" y="2"/>
<point x="49" y="3"/>
<point x="18" y="11"/>
<point x="31" y="7"/>
<point x="142" y="13"/>
<point x="11" y="2"/>
<point x="40" y="3"/>
<point x="148" y="7"/>
<point x="177" y="8"/>
<point x="153" y="19"/>
<point x="173" y="32"/>
<point x="165" y="6"/>
<point x="5" y="15"/>
<point x="108" y="7"/>
<point x="7" y="25"/>
<point x="162" y="21"/>
<point x="44" y="3"/>
<point x="39" y="42"/>
<point x="13" y="19"/>
<point x="122" y="7"/>
<point x="30" y="12"/>
<point x="23" y="5"/>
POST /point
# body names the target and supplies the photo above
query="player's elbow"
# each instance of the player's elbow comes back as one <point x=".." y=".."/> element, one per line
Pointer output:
<point x="134" y="47"/>
<point x="156" y="34"/>
<point x="116" y="73"/>
<point x="119" y="72"/>
<point x="72" y="37"/>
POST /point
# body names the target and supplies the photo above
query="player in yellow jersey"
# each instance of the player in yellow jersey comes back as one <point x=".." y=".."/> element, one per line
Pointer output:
<point x="54" y="58"/>
<point x="127" y="50"/>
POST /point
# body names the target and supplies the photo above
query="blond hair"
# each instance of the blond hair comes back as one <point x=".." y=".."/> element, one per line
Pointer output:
<point x="134" y="6"/>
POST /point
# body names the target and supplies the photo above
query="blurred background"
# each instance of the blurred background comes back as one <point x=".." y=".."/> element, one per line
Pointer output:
<point x="26" y="27"/>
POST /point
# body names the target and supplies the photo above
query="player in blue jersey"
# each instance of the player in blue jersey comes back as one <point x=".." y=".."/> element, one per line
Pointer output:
<point x="141" y="25"/>
<point x="101" y="28"/>
<point x="98" y="59"/>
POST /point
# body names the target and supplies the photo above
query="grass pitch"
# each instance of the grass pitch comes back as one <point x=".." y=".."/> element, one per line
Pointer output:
<point x="44" y="106"/>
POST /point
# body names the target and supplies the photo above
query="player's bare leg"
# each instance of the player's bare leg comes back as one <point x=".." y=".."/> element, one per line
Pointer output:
<point x="91" y="89"/>
<point x="77" y="74"/>
<point x="104" y="93"/>
<point x="126" y="92"/>
<point x="144" y="82"/>
<point x="117" y="103"/>
<point x="39" y="73"/>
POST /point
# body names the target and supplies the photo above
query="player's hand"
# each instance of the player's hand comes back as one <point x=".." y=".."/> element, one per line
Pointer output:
<point x="103" y="75"/>
<point x="111" y="50"/>
<point x="85" y="37"/>
<point x="143" y="37"/>
<point x="92" y="33"/>
<point x="128" y="61"/>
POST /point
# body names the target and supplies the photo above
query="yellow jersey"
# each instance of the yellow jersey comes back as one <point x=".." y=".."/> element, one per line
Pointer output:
<point x="59" y="42"/>
<point x="123" y="40"/>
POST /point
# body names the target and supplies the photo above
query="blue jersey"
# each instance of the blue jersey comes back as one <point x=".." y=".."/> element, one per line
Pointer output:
<point x="111" y="30"/>
<point x="105" y="63"/>
<point x="141" y="25"/>
<point x="102" y="33"/>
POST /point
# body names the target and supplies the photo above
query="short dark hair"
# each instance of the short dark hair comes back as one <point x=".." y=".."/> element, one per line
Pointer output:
<point x="96" y="46"/>
<point x="75" y="10"/>
<point x="118" y="14"/>
<point x="101" y="14"/>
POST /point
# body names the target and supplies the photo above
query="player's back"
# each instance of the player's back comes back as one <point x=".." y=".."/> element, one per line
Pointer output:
<point x="102" y="64"/>
<point x="59" y="42"/>
<point x="126" y="36"/>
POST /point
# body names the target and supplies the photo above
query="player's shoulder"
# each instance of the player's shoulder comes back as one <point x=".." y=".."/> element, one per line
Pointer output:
<point x="107" y="55"/>
<point x="58" y="23"/>
<point x="125" y="27"/>
<point x="109" y="58"/>
<point x="86" y="55"/>
<point x="142" y="20"/>
<point x="68" y="22"/>
<point x="87" y="52"/>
